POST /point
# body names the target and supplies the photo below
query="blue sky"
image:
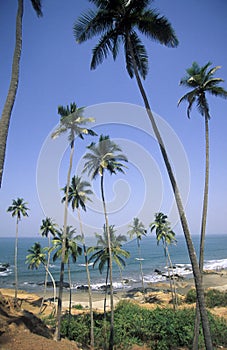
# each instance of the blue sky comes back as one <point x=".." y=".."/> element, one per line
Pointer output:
<point x="55" y="71"/>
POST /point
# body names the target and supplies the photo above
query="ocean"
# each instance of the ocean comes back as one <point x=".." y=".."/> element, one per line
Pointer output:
<point x="152" y="257"/>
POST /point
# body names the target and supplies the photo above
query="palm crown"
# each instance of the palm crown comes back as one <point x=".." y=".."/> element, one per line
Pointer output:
<point x="118" y="22"/>
<point x="18" y="208"/>
<point x="79" y="192"/>
<point x="102" y="254"/>
<point x="104" y="155"/>
<point x="201" y="80"/>
<point x="72" y="121"/>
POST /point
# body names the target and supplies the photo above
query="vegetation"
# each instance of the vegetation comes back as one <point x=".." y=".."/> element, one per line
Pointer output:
<point x="18" y="209"/>
<point x="138" y="229"/>
<point x="11" y="97"/>
<point x="105" y="156"/>
<point x="119" y="22"/>
<point x="37" y="257"/>
<point x="201" y="81"/>
<point x="165" y="234"/>
<point x="73" y="123"/>
<point x="159" y="329"/>
<point x="213" y="297"/>
<point x="79" y="194"/>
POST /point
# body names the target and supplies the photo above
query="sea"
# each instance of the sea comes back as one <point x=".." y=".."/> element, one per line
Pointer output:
<point x="152" y="258"/>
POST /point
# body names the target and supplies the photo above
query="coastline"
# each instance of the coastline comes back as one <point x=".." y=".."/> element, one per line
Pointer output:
<point x="211" y="279"/>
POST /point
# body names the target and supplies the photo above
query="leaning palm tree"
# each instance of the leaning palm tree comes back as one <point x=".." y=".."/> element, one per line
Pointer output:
<point x="165" y="234"/>
<point x="72" y="122"/>
<point x="119" y="22"/>
<point x="37" y="257"/>
<point x="72" y="250"/>
<point x="47" y="227"/>
<point x="18" y="209"/>
<point x="105" y="155"/>
<point x="79" y="192"/>
<point x="10" y="99"/>
<point x="201" y="81"/>
<point x="102" y="255"/>
<point x="138" y="229"/>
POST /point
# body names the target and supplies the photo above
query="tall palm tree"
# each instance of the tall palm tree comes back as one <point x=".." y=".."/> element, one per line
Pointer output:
<point x="105" y="155"/>
<point x="47" y="227"/>
<point x="18" y="209"/>
<point x="79" y="192"/>
<point x="118" y="22"/>
<point x="138" y="229"/>
<point x="165" y="234"/>
<point x="37" y="257"/>
<point x="72" y="122"/>
<point x="201" y="81"/>
<point x="10" y="99"/>
<point x="72" y="250"/>
<point x="102" y="255"/>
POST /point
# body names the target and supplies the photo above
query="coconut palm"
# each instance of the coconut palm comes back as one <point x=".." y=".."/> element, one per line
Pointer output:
<point x="101" y="253"/>
<point x="72" y="250"/>
<point x="37" y="257"/>
<point x="47" y="228"/>
<point x="79" y="192"/>
<point x="18" y="209"/>
<point x="165" y="234"/>
<point x="119" y="22"/>
<point x="10" y="99"/>
<point x="105" y="156"/>
<point x="201" y="81"/>
<point x="72" y="122"/>
<point x="138" y="229"/>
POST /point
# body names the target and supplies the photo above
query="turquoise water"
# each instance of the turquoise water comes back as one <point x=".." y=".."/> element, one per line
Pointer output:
<point x="152" y="255"/>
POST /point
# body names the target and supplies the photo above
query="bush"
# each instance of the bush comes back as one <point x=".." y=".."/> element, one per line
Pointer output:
<point x="191" y="296"/>
<point x="216" y="298"/>
<point x="160" y="329"/>
<point x="78" y="307"/>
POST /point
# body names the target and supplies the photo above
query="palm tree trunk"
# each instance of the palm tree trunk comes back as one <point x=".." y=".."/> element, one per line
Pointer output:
<point x="203" y="230"/>
<point x="184" y="223"/>
<point x="9" y="103"/>
<point x="15" y="261"/>
<point x="172" y="285"/>
<point x="46" y="277"/>
<point x="141" y="268"/>
<point x="110" y="268"/>
<point x="92" y="340"/>
<point x="53" y="281"/>
<point x="70" y="297"/>
<point x="57" y="335"/>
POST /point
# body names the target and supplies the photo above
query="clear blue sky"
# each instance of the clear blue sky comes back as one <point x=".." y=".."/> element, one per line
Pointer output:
<point x="55" y="71"/>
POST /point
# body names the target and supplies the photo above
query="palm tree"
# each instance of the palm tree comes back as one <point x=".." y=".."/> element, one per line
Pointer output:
<point x="73" y="122"/>
<point x="118" y="22"/>
<point x="47" y="227"/>
<point x="9" y="103"/>
<point x="36" y="258"/>
<point x="165" y="234"/>
<point x="72" y="250"/>
<point x="102" y="255"/>
<point x="138" y="229"/>
<point x="201" y="80"/>
<point x="105" y="155"/>
<point x="79" y="192"/>
<point x="18" y="209"/>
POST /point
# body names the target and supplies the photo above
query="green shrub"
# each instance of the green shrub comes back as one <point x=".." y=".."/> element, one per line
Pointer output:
<point x="191" y="296"/>
<point x="216" y="298"/>
<point x="78" y="307"/>
<point x="159" y="329"/>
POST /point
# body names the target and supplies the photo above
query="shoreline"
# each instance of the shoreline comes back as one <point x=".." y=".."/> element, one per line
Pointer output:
<point x="211" y="279"/>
